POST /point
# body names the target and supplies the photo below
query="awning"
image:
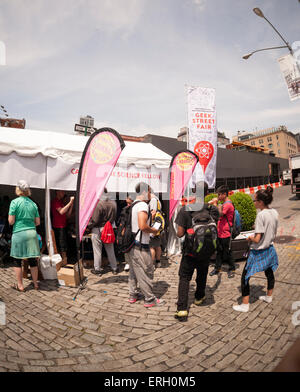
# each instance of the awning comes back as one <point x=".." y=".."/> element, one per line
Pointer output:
<point x="30" y="154"/>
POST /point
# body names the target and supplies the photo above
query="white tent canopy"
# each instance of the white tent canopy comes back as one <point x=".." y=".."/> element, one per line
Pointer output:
<point x="51" y="160"/>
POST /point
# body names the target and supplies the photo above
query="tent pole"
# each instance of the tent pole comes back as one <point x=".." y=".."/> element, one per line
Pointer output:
<point x="48" y="226"/>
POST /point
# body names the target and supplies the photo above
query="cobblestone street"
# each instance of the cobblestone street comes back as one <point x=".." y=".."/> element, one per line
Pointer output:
<point x="46" y="331"/>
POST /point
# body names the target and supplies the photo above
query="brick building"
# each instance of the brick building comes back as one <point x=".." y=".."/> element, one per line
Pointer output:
<point x="12" y="123"/>
<point x="278" y="141"/>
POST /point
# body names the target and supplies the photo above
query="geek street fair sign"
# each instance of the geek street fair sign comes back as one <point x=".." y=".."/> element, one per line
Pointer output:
<point x="203" y="133"/>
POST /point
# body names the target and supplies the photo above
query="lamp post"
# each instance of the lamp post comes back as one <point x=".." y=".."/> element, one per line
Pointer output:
<point x="295" y="72"/>
<point x="246" y="56"/>
<point x="2" y="108"/>
<point x="259" y="13"/>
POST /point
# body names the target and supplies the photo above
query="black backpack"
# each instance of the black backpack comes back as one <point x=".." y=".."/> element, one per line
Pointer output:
<point x="125" y="237"/>
<point x="201" y="238"/>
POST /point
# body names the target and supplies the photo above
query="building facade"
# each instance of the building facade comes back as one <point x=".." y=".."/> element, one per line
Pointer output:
<point x="87" y="121"/>
<point x="297" y="137"/>
<point x="12" y="123"/>
<point x="236" y="169"/>
<point x="222" y="139"/>
<point x="278" y="141"/>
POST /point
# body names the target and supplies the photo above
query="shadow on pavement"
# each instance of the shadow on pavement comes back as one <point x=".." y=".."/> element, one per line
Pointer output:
<point x="160" y="288"/>
<point x="255" y="292"/>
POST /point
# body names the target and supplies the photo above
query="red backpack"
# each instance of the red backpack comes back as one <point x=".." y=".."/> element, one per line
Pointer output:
<point x="108" y="235"/>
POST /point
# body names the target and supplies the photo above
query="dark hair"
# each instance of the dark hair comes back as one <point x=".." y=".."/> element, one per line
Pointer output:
<point x="142" y="187"/>
<point x="223" y="189"/>
<point x="265" y="195"/>
<point x="202" y="185"/>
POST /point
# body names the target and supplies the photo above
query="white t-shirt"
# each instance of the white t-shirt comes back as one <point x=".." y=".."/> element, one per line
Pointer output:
<point x="266" y="222"/>
<point x="153" y="204"/>
<point x="141" y="206"/>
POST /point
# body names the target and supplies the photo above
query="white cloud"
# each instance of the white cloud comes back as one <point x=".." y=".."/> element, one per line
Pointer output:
<point x="200" y="4"/>
<point x="114" y="15"/>
<point x="42" y="29"/>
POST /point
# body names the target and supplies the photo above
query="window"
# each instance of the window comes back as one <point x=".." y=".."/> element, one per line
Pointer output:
<point x="278" y="145"/>
<point x="260" y="141"/>
<point x="277" y="137"/>
<point x="269" y="138"/>
<point x="278" y="151"/>
<point x="270" y="145"/>
<point x="253" y="143"/>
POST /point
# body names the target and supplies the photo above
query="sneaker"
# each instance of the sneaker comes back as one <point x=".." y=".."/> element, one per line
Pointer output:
<point x="155" y="302"/>
<point x="134" y="298"/>
<point x="126" y="268"/>
<point x="266" y="298"/>
<point x="181" y="315"/>
<point x="241" y="308"/>
<point x="214" y="272"/>
<point x="231" y="274"/>
<point x="115" y="272"/>
<point x="157" y="264"/>
<point x="200" y="301"/>
<point x="96" y="272"/>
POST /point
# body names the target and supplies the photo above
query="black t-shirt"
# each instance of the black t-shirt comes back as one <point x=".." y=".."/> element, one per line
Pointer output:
<point x="184" y="218"/>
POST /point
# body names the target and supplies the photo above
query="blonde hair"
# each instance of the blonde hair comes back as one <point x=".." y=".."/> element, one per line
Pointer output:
<point x="25" y="193"/>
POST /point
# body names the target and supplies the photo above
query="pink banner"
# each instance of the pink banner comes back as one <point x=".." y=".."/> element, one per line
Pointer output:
<point x="181" y="169"/>
<point x="98" y="160"/>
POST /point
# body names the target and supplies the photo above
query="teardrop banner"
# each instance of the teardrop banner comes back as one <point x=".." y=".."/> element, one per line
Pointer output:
<point x="98" y="160"/>
<point x="181" y="169"/>
<point x="203" y="134"/>
<point x="205" y="151"/>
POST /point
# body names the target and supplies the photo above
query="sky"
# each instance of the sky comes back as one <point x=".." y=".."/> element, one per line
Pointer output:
<point x="127" y="63"/>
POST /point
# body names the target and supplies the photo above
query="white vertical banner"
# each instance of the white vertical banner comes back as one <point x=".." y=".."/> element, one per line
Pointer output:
<point x="203" y="134"/>
<point x="290" y="70"/>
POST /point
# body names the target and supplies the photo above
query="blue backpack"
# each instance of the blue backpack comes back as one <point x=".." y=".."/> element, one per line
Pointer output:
<point x="236" y="227"/>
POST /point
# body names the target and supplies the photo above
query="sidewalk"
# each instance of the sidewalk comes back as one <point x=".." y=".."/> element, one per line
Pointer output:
<point x="101" y="331"/>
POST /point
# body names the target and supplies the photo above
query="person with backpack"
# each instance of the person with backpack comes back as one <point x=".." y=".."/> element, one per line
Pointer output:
<point x="104" y="212"/>
<point x="262" y="256"/>
<point x="121" y="220"/>
<point x="155" y="241"/>
<point x="200" y="231"/>
<point x="140" y="261"/>
<point x="225" y="224"/>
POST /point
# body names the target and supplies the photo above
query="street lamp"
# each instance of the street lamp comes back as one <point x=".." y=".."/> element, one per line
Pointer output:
<point x="246" y="56"/>
<point x="4" y="110"/>
<point x="259" y="13"/>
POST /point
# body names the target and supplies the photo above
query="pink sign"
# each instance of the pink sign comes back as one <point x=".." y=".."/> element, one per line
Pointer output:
<point x="181" y="169"/>
<point x="99" y="158"/>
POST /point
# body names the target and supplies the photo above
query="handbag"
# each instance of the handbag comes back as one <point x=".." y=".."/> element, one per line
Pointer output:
<point x="107" y="234"/>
